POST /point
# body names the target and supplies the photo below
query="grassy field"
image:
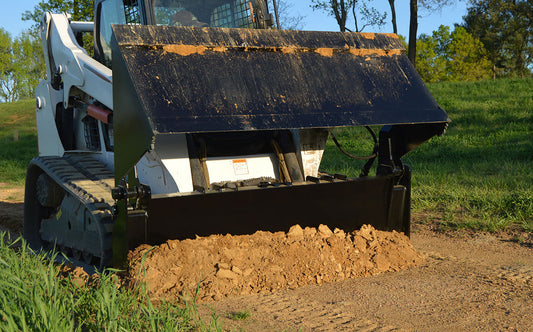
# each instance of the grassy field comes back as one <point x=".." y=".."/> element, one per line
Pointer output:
<point x="17" y="119"/>
<point x="478" y="175"/>
<point x="35" y="297"/>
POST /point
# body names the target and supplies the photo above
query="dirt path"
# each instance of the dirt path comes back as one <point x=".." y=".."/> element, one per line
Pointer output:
<point x="479" y="282"/>
<point x="467" y="282"/>
<point x="11" y="209"/>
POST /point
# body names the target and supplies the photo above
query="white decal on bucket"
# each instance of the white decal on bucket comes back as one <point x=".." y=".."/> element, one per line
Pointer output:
<point x="240" y="167"/>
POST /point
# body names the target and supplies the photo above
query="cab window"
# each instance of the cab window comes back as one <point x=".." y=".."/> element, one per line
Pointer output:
<point x="226" y="14"/>
<point x="115" y="12"/>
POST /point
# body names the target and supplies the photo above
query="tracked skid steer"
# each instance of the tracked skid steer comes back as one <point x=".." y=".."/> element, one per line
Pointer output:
<point x="195" y="117"/>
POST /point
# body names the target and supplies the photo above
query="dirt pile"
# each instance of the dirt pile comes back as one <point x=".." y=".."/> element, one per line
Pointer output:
<point x="263" y="262"/>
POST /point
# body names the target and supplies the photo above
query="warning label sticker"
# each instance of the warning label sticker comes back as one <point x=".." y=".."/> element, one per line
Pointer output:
<point x="240" y="167"/>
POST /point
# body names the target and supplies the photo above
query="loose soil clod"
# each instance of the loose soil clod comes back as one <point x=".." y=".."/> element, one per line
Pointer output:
<point x="229" y="265"/>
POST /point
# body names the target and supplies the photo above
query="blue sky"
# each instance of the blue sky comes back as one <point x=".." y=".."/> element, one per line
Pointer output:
<point x="10" y="16"/>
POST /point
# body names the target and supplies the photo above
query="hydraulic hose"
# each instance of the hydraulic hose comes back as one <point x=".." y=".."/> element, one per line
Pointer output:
<point x="374" y="152"/>
<point x="370" y="158"/>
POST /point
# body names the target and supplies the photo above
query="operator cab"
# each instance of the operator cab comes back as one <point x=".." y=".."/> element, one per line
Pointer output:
<point x="252" y="14"/>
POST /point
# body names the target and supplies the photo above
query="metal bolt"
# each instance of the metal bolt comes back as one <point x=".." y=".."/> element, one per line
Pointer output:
<point x="38" y="103"/>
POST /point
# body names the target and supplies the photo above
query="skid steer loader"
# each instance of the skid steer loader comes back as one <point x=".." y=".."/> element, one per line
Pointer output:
<point x="195" y="117"/>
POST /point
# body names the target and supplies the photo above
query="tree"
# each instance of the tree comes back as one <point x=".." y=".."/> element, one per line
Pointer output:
<point x="393" y="16"/>
<point x="284" y="15"/>
<point x="430" y="5"/>
<point x="340" y="9"/>
<point x="455" y="56"/>
<point x="429" y="63"/>
<point x="20" y="66"/>
<point x="467" y="57"/>
<point x="7" y="89"/>
<point x="30" y="67"/>
<point x="505" y="27"/>
<point x="81" y="10"/>
<point x="335" y="8"/>
<point x="413" y="27"/>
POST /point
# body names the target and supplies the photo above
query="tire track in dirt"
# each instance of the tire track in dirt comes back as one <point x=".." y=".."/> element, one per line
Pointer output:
<point x="486" y="255"/>
<point x="285" y="311"/>
<point x="516" y="274"/>
<point x="312" y="315"/>
<point x="519" y="272"/>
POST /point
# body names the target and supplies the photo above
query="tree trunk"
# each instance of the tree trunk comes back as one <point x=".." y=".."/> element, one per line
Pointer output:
<point x="393" y="14"/>
<point x="339" y="10"/>
<point x="355" y="17"/>
<point x="275" y="4"/>
<point x="413" y="26"/>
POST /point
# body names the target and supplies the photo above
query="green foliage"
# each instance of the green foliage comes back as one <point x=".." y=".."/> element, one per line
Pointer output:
<point x="478" y="174"/>
<point x="6" y="67"/>
<point x="21" y="66"/>
<point x="429" y="64"/>
<point x="31" y="296"/>
<point x="468" y="58"/>
<point x="505" y="27"/>
<point x="240" y="315"/>
<point x="35" y="297"/>
<point x="81" y="10"/>
<point x="455" y="56"/>
<point x="29" y="64"/>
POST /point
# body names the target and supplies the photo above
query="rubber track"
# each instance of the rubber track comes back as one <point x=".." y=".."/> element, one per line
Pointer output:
<point x="90" y="182"/>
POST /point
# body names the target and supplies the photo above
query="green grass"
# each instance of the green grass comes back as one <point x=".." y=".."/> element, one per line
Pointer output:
<point x="479" y="175"/>
<point x="34" y="297"/>
<point x="17" y="119"/>
<point x="239" y="315"/>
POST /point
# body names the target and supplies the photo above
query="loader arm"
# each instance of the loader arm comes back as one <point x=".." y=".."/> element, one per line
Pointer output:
<point x="68" y="63"/>
<point x="73" y="78"/>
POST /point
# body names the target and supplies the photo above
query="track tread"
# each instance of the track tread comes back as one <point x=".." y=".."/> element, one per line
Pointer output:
<point x="90" y="182"/>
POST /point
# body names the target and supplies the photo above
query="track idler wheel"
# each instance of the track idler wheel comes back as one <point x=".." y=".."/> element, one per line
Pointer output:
<point x="38" y="205"/>
<point x="48" y="193"/>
